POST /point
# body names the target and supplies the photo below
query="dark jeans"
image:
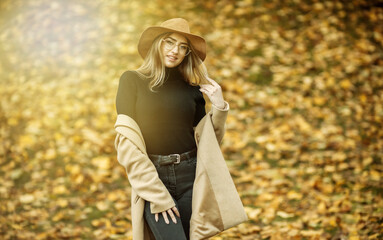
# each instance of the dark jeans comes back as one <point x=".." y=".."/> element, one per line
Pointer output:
<point x="178" y="179"/>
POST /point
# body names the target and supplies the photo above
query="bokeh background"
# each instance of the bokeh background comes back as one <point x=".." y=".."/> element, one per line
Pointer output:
<point x="304" y="140"/>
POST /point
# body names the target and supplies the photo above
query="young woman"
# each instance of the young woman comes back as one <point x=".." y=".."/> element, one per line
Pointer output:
<point x="159" y="107"/>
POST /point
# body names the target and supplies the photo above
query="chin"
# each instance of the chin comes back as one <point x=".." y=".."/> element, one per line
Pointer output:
<point x="171" y="65"/>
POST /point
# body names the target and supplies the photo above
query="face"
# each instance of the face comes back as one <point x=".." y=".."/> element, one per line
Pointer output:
<point x="174" y="47"/>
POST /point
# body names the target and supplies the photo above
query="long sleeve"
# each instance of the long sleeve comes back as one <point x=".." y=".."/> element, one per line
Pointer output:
<point x="218" y="118"/>
<point x="142" y="175"/>
<point x="126" y="95"/>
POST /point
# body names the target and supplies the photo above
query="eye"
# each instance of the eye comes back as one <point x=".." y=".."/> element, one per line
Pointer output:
<point x="184" y="47"/>
<point x="169" y="42"/>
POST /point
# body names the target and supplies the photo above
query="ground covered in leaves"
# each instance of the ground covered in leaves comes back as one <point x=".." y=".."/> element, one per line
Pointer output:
<point x="304" y="135"/>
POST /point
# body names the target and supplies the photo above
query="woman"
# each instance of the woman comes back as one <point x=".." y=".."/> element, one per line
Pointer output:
<point x="159" y="107"/>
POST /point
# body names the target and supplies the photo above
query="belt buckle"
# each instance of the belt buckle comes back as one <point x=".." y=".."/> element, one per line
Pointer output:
<point x="178" y="157"/>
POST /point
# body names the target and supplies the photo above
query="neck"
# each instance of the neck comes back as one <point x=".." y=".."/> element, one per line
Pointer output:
<point x="172" y="74"/>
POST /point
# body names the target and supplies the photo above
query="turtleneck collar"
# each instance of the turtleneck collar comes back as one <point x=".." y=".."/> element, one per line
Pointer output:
<point x="173" y="74"/>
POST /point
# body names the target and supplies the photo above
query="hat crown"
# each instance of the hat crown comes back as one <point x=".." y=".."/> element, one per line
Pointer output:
<point x="178" y="24"/>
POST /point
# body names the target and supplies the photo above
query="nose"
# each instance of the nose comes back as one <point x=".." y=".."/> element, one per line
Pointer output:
<point x="175" y="49"/>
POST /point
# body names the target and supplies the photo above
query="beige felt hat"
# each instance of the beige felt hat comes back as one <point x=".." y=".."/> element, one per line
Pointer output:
<point x="177" y="25"/>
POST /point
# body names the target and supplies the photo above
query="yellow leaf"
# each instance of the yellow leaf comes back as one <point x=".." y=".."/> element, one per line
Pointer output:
<point x="101" y="162"/>
<point x="329" y="168"/>
<point x="367" y="161"/>
<point x="80" y="123"/>
<point x="375" y="175"/>
<point x="12" y="121"/>
<point x="346" y="84"/>
<point x="333" y="222"/>
<point x="27" y="198"/>
<point x="103" y="222"/>
<point x="265" y="197"/>
<point x="363" y="98"/>
<point x="60" y="189"/>
<point x="294" y="195"/>
<point x="319" y="101"/>
<point x="322" y="207"/>
<point x="79" y="179"/>
<point x="113" y="196"/>
<point x="26" y="140"/>
<point x="253" y="213"/>
<point x="17" y="226"/>
<point x="62" y="202"/>
<point x="50" y="154"/>
<point x="271" y="147"/>
<point x="285" y="214"/>
<point x="311" y="233"/>
<point x="74" y="169"/>
<point x="58" y="216"/>
<point x="339" y="156"/>
<point x="102" y="206"/>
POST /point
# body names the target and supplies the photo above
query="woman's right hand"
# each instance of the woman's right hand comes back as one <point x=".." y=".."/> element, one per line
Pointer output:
<point x="171" y="214"/>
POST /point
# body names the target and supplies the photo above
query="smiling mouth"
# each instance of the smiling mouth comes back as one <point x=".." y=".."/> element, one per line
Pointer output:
<point x="171" y="58"/>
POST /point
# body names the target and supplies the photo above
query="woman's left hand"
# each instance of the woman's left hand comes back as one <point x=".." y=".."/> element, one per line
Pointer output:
<point x="214" y="93"/>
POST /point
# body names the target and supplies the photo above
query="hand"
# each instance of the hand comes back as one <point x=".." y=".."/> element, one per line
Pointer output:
<point x="214" y="93"/>
<point x="171" y="214"/>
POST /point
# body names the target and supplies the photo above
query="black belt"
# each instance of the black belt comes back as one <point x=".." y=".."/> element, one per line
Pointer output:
<point x="172" y="158"/>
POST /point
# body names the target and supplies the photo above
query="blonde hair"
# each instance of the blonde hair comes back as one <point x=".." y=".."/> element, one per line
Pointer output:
<point x="192" y="68"/>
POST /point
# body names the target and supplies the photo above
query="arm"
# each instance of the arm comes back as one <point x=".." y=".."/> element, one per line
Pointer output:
<point x="219" y="117"/>
<point x="220" y="107"/>
<point x="143" y="175"/>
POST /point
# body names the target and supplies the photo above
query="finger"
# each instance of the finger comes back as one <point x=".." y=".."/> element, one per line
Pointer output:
<point x="175" y="210"/>
<point x="207" y="85"/>
<point x="156" y="217"/>
<point x="212" y="81"/>
<point x="204" y="86"/>
<point x="206" y="92"/>
<point x="171" y="214"/>
<point x="165" y="217"/>
<point x="210" y="88"/>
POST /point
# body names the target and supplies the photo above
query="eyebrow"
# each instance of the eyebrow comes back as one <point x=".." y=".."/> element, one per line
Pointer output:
<point x="176" y="40"/>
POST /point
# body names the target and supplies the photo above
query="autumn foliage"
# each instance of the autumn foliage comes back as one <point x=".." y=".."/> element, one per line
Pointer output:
<point x="304" y="140"/>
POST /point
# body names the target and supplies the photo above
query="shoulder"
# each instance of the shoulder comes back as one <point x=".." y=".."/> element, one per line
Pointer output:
<point x="132" y="77"/>
<point x="129" y="74"/>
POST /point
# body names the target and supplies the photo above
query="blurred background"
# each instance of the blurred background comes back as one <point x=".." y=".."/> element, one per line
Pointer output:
<point x="304" y="140"/>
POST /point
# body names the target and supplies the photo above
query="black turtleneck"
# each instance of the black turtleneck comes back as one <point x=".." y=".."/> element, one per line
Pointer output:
<point x="166" y="117"/>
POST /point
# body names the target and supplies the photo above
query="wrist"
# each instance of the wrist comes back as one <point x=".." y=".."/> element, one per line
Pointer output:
<point x="220" y="105"/>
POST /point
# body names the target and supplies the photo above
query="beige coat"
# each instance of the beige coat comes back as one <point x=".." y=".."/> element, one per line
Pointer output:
<point x="216" y="204"/>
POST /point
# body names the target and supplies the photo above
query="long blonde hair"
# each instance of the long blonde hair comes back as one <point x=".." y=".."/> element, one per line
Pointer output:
<point x="153" y="67"/>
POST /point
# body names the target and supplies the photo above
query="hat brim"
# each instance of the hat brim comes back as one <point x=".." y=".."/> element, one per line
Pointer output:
<point x="148" y="36"/>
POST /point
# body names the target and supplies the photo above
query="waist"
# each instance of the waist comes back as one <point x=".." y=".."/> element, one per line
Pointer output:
<point x="165" y="141"/>
<point x="172" y="158"/>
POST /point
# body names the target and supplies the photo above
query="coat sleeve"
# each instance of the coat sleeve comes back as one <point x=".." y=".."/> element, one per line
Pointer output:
<point x="142" y="175"/>
<point x="218" y="117"/>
